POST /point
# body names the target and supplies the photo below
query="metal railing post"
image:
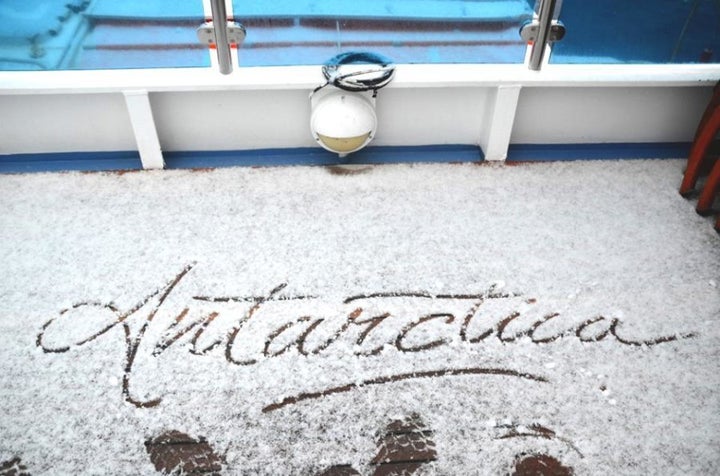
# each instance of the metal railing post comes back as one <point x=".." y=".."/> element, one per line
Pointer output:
<point x="219" y="14"/>
<point x="545" y="18"/>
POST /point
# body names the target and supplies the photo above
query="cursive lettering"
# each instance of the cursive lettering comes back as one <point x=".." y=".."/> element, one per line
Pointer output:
<point x="311" y="335"/>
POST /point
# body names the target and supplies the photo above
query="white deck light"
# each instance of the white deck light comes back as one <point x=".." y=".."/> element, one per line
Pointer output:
<point x="343" y="117"/>
<point x="343" y="122"/>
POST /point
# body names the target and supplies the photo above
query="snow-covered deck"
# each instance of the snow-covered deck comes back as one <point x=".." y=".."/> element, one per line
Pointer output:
<point x="294" y="320"/>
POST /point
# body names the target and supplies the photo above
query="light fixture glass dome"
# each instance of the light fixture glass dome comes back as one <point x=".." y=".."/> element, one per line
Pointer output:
<point x="343" y="122"/>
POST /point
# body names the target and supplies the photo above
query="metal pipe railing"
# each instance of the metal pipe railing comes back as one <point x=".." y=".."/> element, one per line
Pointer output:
<point x="545" y="18"/>
<point x="219" y="14"/>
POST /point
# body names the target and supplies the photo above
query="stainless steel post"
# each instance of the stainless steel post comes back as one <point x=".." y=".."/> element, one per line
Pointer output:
<point x="219" y="14"/>
<point x="545" y="18"/>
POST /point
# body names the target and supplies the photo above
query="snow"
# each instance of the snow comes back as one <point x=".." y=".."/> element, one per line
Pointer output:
<point x="97" y="266"/>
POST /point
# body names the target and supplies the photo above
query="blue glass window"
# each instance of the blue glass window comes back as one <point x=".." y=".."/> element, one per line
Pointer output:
<point x="408" y="31"/>
<point x="639" y="31"/>
<point x="100" y="34"/>
<point x="105" y="34"/>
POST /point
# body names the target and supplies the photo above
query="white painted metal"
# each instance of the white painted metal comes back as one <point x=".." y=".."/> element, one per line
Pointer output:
<point x="64" y="123"/>
<point x="495" y="137"/>
<point x="428" y="117"/>
<point x="143" y="125"/>
<point x="594" y="115"/>
<point x="199" y="109"/>
<point x="307" y="77"/>
<point x="232" y="120"/>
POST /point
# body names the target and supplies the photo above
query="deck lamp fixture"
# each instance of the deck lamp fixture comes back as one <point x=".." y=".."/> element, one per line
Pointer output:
<point x="343" y="118"/>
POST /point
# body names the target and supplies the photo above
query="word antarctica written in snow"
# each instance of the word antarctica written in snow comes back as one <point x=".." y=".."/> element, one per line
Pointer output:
<point x="209" y="326"/>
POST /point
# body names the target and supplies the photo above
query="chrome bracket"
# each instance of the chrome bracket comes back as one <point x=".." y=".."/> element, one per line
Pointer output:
<point x="236" y="33"/>
<point x="529" y="31"/>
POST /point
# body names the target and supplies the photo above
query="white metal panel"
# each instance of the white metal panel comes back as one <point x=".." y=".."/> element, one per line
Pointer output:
<point x="592" y="115"/>
<point x="64" y="123"/>
<point x="231" y="120"/>
<point x="422" y="117"/>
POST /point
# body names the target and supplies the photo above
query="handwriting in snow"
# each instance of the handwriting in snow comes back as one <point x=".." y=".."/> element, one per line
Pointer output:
<point x="308" y="337"/>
